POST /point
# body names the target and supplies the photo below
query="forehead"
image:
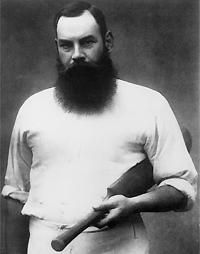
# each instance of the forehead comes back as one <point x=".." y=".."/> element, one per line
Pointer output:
<point x="77" y="27"/>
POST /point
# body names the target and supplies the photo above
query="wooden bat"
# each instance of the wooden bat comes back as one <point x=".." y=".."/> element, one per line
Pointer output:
<point x="137" y="180"/>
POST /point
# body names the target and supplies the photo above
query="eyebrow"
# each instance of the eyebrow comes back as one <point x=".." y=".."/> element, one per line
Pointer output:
<point x="63" y="41"/>
<point x="89" y="37"/>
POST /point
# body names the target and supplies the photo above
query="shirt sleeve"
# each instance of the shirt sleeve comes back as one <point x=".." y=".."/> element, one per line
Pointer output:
<point x="165" y="147"/>
<point x="17" y="182"/>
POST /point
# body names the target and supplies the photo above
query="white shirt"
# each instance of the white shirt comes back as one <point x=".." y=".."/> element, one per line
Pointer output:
<point x="66" y="161"/>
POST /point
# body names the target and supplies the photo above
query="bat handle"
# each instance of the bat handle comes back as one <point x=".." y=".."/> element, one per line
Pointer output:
<point x="61" y="241"/>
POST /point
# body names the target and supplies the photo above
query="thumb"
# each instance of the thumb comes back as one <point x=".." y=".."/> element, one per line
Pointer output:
<point x="105" y="206"/>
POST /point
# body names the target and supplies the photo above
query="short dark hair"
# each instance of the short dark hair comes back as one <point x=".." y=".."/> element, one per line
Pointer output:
<point x="75" y="9"/>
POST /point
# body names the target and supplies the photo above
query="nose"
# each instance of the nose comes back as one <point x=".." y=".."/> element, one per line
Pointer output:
<point x="78" y="54"/>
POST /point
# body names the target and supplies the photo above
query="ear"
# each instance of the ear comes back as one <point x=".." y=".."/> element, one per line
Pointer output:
<point x="109" y="41"/>
<point x="56" y="42"/>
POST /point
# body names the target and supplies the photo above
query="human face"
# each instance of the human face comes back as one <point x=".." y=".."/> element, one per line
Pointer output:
<point x="79" y="39"/>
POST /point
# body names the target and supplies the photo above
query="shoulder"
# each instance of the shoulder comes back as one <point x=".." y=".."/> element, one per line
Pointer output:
<point x="37" y="101"/>
<point x="140" y="95"/>
<point x="41" y="97"/>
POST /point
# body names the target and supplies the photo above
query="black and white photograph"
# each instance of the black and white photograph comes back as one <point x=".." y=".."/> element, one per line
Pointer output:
<point x="100" y="127"/>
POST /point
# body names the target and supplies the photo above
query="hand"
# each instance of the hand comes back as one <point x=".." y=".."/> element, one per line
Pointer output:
<point x="115" y="208"/>
<point x="20" y="196"/>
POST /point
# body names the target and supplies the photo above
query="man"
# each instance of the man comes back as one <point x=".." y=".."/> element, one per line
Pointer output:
<point x="70" y="142"/>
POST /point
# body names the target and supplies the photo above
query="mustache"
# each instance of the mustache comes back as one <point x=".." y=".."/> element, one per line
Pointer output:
<point x="79" y="65"/>
<point x="83" y="64"/>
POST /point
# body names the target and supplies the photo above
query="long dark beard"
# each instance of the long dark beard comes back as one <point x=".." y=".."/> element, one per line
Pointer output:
<point x="86" y="88"/>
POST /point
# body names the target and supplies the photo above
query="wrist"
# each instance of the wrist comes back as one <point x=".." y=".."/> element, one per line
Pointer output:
<point x="137" y="203"/>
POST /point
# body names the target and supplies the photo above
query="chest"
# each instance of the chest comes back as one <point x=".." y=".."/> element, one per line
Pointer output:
<point x="113" y="135"/>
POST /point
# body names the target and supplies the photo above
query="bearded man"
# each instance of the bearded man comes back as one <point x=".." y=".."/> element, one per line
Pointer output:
<point x="70" y="142"/>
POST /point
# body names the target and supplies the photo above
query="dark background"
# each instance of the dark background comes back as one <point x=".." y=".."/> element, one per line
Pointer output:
<point x="156" y="45"/>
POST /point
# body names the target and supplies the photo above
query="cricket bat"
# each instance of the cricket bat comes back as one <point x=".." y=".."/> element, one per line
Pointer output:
<point x="137" y="180"/>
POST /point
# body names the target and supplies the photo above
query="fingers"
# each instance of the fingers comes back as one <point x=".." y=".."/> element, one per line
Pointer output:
<point x="114" y="209"/>
<point x="109" y="219"/>
<point x="105" y="208"/>
<point x="109" y="214"/>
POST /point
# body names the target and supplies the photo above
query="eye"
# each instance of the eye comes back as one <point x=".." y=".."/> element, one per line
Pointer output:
<point x="87" y="43"/>
<point x="66" y="46"/>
